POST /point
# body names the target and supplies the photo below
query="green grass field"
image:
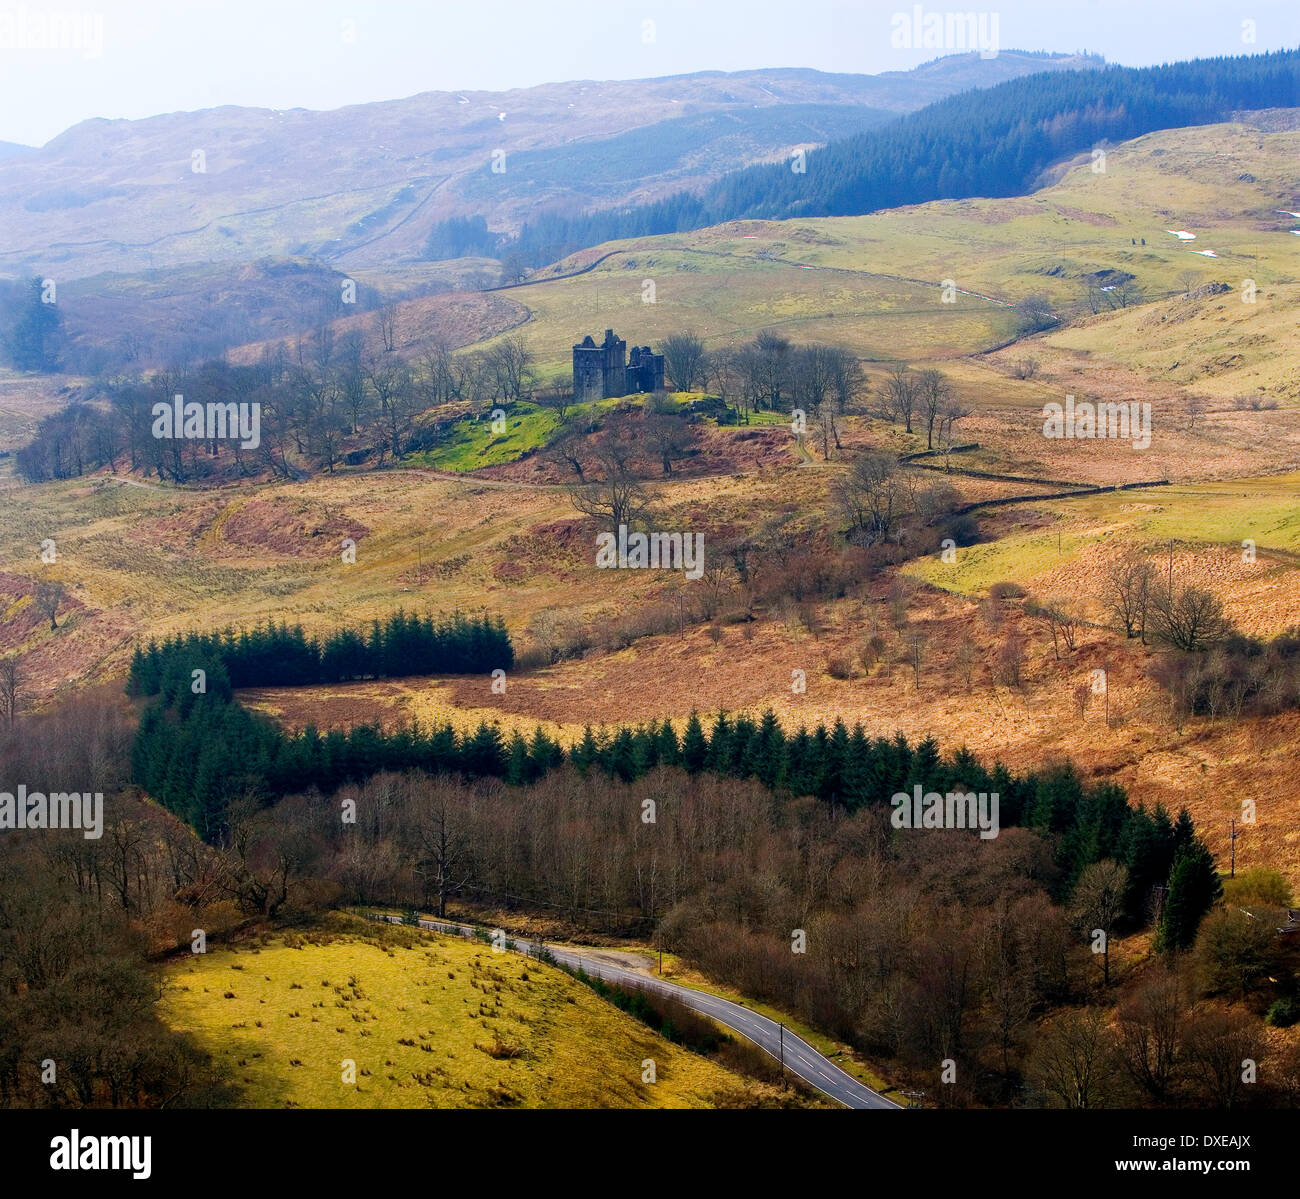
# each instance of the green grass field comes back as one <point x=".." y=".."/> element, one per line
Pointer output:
<point x="1222" y="515"/>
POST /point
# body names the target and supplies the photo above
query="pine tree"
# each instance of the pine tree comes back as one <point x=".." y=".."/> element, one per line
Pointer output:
<point x="695" y="748"/>
<point x="719" y="757"/>
<point x="1194" y="887"/>
<point x="519" y="765"/>
<point x="667" y="750"/>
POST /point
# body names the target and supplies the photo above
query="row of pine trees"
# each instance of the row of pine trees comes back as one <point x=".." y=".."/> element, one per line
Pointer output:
<point x="197" y="754"/>
<point x="284" y="656"/>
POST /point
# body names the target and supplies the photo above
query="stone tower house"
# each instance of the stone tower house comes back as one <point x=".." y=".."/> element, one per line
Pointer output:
<point x="601" y="372"/>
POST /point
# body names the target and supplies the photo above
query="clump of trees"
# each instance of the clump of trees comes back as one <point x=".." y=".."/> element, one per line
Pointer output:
<point x="284" y="656"/>
<point x="919" y="947"/>
<point x="1181" y="617"/>
<point x="908" y="397"/>
<point x="327" y="401"/>
<point x="1209" y="668"/>
<point x="31" y="326"/>
<point x="881" y="502"/>
<point x="992" y="143"/>
<point x="78" y="918"/>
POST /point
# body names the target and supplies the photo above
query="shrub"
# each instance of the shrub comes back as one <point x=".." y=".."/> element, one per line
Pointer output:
<point x="1258" y="885"/>
<point x="840" y="666"/>
<point x="1284" y="1012"/>
<point x="1237" y="951"/>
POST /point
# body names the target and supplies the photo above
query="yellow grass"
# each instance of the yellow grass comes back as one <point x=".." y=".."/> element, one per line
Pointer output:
<point x="486" y="1029"/>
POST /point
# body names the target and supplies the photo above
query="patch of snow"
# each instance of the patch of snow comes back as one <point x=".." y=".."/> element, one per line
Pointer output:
<point x="1206" y="253"/>
<point x="1182" y="234"/>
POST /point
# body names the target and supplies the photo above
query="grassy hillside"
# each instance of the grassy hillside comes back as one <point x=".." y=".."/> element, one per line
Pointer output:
<point x="1207" y="524"/>
<point x="873" y="282"/>
<point x="429" y="1022"/>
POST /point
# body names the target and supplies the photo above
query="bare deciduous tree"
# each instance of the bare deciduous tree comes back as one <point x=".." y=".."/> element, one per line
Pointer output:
<point x="1098" y="903"/>
<point x="1128" y="585"/>
<point x="670" y="437"/>
<point x="1150" y="1031"/>
<point x="1216" y="1044"/>
<point x="935" y="396"/>
<point x="557" y="396"/>
<point x="10" y="685"/>
<point x="1010" y="662"/>
<point x="872" y="497"/>
<point x="48" y="598"/>
<point x="617" y="498"/>
<point x="685" y="361"/>
<point x="897" y="396"/>
<point x="1188" y="618"/>
<point x="1074" y="1062"/>
<point x="386" y="322"/>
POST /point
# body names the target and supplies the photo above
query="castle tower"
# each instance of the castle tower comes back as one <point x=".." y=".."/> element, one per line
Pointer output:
<point x="615" y="366"/>
<point x="588" y="371"/>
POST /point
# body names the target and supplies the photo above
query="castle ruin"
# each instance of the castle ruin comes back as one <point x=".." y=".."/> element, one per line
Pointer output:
<point x="601" y="372"/>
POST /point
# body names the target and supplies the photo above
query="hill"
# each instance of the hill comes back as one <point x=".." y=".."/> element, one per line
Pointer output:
<point x="873" y="283"/>
<point x="996" y="142"/>
<point x="363" y="185"/>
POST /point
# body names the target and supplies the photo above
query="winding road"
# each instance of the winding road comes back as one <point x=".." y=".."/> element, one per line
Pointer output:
<point x="800" y="1058"/>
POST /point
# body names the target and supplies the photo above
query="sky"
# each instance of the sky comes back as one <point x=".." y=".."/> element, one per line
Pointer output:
<point x="137" y="58"/>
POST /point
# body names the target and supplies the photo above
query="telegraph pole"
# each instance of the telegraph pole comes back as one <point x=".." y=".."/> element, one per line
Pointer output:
<point x="783" y="1055"/>
<point x="1232" y="840"/>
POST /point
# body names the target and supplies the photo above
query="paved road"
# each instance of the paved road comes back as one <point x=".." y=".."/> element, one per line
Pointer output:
<point x="800" y="1057"/>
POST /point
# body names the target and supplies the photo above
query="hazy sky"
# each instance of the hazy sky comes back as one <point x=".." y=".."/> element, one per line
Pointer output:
<point x="135" y="58"/>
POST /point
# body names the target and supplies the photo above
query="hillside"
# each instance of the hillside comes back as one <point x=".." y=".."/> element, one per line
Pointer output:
<point x="870" y="282"/>
<point x="995" y="142"/>
<point x="363" y="185"/>
<point x="146" y="560"/>
<point x="429" y="1022"/>
<point x="873" y="282"/>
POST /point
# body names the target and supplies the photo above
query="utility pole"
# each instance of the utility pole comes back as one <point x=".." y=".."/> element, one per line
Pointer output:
<point x="1105" y="678"/>
<point x="1171" y="566"/>
<point x="661" y="952"/>
<point x="783" y="1055"/>
<point x="1232" y="840"/>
